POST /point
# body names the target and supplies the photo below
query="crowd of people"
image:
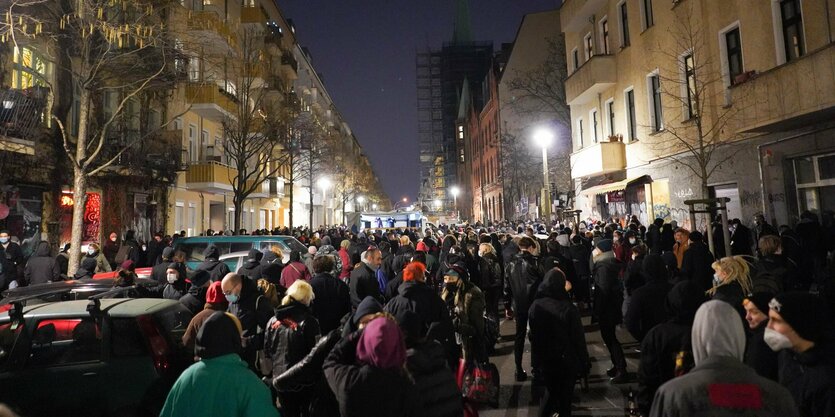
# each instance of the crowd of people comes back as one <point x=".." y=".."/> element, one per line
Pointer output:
<point x="405" y="312"/>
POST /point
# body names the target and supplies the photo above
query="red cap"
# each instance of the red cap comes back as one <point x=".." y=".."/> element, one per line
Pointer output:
<point x="214" y="294"/>
<point x="128" y="265"/>
<point x="421" y="247"/>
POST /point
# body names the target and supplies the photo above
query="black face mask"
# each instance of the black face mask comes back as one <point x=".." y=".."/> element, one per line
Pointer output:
<point x="451" y="286"/>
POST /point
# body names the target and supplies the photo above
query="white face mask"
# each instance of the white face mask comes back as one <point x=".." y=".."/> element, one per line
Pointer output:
<point x="615" y="239"/>
<point x="634" y="256"/>
<point x="172" y="278"/>
<point x="776" y="340"/>
<point x="716" y="280"/>
<point x="91" y="252"/>
<point x="632" y="241"/>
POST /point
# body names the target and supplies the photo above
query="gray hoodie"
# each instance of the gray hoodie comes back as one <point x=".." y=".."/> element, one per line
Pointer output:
<point x="720" y="384"/>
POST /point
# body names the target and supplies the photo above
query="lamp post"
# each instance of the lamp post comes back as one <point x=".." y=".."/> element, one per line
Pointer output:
<point x="404" y="201"/>
<point x="360" y="201"/>
<point x="324" y="183"/>
<point x="374" y="206"/>
<point x="543" y="138"/>
<point x="455" y="191"/>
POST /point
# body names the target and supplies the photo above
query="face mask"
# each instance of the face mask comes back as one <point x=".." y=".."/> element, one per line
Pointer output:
<point x="172" y="278"/>
<point x="232" y="298"/>
<point x="144" y="248"/>
<point x="634" y="257"/>
<point x="632" y="241"/>
<point x="91" y="252"/>
<point x="776" y="340"/>
<point x="112" y="239"/>
<point x="480" y="253"/>
<point x="451" y="286"/>
<point x="716" y="280"/>
<point x="4" y="240"/>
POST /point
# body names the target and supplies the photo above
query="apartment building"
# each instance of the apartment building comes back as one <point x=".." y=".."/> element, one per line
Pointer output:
<point x="659" y="89"/>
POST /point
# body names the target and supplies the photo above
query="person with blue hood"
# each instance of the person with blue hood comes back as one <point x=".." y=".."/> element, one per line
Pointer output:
<point x="212" y="264"/>
<point x="720" y="385"/>
<point x="220" y="384"/>
<point x="252" y="267"/>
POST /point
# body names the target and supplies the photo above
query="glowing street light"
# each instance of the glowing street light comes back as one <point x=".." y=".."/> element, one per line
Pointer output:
<point x="437" y="203"/>
<point x="324" y="184"/>
<point x="374" y="206"/>
<point x="543" y="137"/>
<point x="360" y="201"/>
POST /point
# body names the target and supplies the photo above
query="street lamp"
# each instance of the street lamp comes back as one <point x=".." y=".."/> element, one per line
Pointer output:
<point x="454" y="190"/>
<point x="360" y="201"/>
<point x="543" y="138"/>
<point x="404" y="200"/>
<point x="437" y="204"/>
<point x="324" y="183"/>
<point x="374" y="206"/>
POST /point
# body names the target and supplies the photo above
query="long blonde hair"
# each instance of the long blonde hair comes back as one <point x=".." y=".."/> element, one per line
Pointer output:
<point x="737" y="269"/>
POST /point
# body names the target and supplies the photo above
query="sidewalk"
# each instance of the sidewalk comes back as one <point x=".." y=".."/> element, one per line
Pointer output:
<point x="517" y="399"/>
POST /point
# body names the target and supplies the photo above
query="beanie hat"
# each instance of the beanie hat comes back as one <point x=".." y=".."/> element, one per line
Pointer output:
<point x="168" y="252"/>
<point x="199" y="278"/>
<point x="697" y="237"/>
<point x="806" y="313"/>
<point x="127" y="265"/>
<point x="421" y="247"/>
<point x="605" y="245"/>
<point x="760" y="300"/>
<point x="214" y="295"/>
<point x="219" y="335"/>
<point x="381" y="345"/>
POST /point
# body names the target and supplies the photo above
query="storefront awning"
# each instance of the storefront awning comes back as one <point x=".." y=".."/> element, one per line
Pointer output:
<point x="616" y="186"/>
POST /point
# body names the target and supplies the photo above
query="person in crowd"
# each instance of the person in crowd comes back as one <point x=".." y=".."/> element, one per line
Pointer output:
<point x="797" y="330"/>
<point x="633" y="275"/>
<point x="134" y="252"/>
<point x="219" y="384"/>
<point x="159" y="271"/>
<point x="102" y="265"/>
<point x="177" y="286"/>
<point x="41" y="267"/>
<point x="386" y="268"/>
<point x="154" y="252"/>
<point x="774" y="272"/>
<point x="63" y="260"/>
<point x="290" y="335"/>
<point x="740" y="239"/>
<point x="645" y="312"/>
<point x="272" y="267"/>
<point x="620" y="247"/>
<point x="720" y="384"/>
<point x="762" y="228"/>
<point x="426" y="361"/>
<point x="347" y="266"/>
<point x="654" y="236"/>
<point x="697" y="261"/>
<point x="580" y="251"/>
<point x="333" y="297"/>
<point x="14" y="257"/>
<point x="195" y="297"/>
<point x="682" y="237"/>
<point x="731" y="282"/>
<point x="558" y="343"/>
<point x="523" y="276"/>
<point x="669" y="342"/>
<point x="328" y="250"/>
<point x="86" y="270"/>
<point x="432" y="264"/>
<point x="668" y="238"/>
<point x="111" y="248"/>
<point x="368" y="363"/>
<point x="608" y="300"/>
<point x="212" y="264"/>
<point x="492" y="278"/>
<point x="466" y="308"/>
<point x="758" y="355"/>
<point x="294" y="270"/>
<point x="251" y="308"/>
<point x="252" y="266"/>
<point x="215" y="301"/>
<point x="307" y="259"/>
<point x="363" y="280"/>
<point x="405" y="252"/>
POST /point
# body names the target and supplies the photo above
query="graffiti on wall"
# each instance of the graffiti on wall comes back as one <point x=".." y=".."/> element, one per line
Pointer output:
<point x="750" y="198"/>
<point x="684" y="193"/>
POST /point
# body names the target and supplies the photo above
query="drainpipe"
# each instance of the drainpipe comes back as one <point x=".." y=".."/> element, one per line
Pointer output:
<point x="202" y="213"/>
<point x="828" y="20"/>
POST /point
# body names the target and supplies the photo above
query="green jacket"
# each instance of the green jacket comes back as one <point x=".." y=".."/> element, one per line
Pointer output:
<point x="219" y="387"/>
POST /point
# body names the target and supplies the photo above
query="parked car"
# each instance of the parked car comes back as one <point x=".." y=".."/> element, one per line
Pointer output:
<point x="98" y="357"/>
<point x="234" y="260"/>
<point x="140" y="273"/>
<point x="193" y="247"/>
<point x="62" y="291"/>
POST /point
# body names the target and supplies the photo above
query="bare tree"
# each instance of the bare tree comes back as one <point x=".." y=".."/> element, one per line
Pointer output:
<point x="312" y="155"/>
<point x="103" y="47"/>
<point x="540" y="91"/>
<point x="515" y="171"/>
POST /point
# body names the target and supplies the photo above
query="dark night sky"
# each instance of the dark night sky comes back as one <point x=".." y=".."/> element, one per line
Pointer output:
<point x="365" y="50"/>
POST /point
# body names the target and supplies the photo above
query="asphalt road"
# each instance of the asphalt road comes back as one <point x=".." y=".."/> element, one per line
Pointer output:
<point x="520" y="399"/>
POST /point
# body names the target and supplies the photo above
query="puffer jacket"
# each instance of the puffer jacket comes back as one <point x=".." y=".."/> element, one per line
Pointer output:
<point x="434" y="382"/>
<point x="290" y="335"/>
<point x="810" y="378"/>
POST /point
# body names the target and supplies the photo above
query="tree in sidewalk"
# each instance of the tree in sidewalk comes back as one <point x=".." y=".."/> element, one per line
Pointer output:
<point x="313" y="155"/>
<point x="100" y="49"/>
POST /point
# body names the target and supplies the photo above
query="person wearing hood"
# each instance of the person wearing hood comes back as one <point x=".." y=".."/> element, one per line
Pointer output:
<point x="664" y="343"/>
<point x="465" y="303"/>
<point x="41" y="267"/>
<point x="363" y="280"/>
<point x="272" y="267"/>
<point x="251" y="308"/>
<point x="386" y="263"/>
<point x="307" y="259"/>
<point x="720" y="384"/>
<point x="86" y="270"/>
<point x="697" y="261"/>
<point x="580" y="252"/>
<point x="797" y="329"/>
<point x="215" y="301"/>
<point x="294" y="270"/>
<point x="774" y="271"/>
<point x="252" y="266"/>
<point x="558" y="343"/>
<point x="367" y="310"/>
<point x="177" y="286"/>
<point x="522" y="277"/>
<point x="758" y="355"/>
<point x="93" y="251"/>
<point x="63" y="260"/>
<point x="425" y="246"/>
<point x="328" y="250"/>
<point x="644" y="311"/>
<point x="158" y="272"/>
<point x="220" y="384"/>
<point x="211" y="263"/>
<point x="366" y="372"/>
<point x="333" y="297"/>
<point x="290" y="335"/>
<point x="195" y="298"/>
<point x="608" y="300"/>
<point x="426" y="361"/>
<point x="135" y="252"/>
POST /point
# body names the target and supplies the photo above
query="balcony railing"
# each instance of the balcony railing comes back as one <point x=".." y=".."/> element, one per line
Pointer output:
<point x="21" y="112"/>
<point x="253" y="15"/>
<point x="289" y="64"/>
<point x="210" y="101"/>
<point x="600" y="158"/>
<point x="156" y="152"/>
<point x="594" y="76"/>
<point x="210" y="176"/>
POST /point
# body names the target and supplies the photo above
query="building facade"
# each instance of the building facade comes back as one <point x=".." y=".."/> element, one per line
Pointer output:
<point x="673" y="101"/>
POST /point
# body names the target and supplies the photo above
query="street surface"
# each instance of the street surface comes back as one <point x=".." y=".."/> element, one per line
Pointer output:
<point x="518" y="399"/>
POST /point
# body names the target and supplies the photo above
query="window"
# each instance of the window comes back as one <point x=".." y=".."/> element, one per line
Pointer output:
<point x="646" y="10"/>
<point x="593" y="122"/>
<point x="656" y="114"/>
<point x="30" y="69"/>
<point x="792" y="28"/>
<point x="575" y="54"/>
<point x="192" y="218"/>
<point x="733" y="49"/>
<point x="589" y="46"/>
<point x="632" y="124"/>
<point x="604" y="36"/>
<point x="193" y="147"/>
<point x="624" y="25"/>
<point x="610" y="115"/>
<point x="580" y="131"/>
<point x="690" y="84"/>
<point x="65" y="341"/>
<point x="179" y="223"/>
<point x="204" y="145"/>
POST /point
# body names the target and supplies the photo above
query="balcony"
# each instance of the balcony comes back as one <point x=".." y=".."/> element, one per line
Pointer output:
<point x="210" y="101"/>
<point x="789" y="96"/>
<point x="289" y="65"/>
<point x="594" y="76"/>
<point x="575" y="14"/>
<point x="207" y="29"/>
<point x="253" y="15"/>
<point x="157" y="155"/>
<point x="20" y="119"/>
<point x="598" y="159"/>
<point x="210" y="176"/>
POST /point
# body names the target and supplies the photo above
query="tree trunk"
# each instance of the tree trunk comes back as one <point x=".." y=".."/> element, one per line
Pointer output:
<point x="290" y="219"/>
<point x="79" y="203"/>
<point x="310" y="212"/>
<point x="238" y="205"/>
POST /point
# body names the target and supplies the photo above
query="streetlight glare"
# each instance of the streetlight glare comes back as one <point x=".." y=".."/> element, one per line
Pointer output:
<point x="455" y="191"/>
<point x="374" y="206"/>
<point x="324" y="182"/>
<point x="405" y="199"/>
<point x="437" y="203"/>
<point x="543" y="137"/>
<point x="360" y="199"/>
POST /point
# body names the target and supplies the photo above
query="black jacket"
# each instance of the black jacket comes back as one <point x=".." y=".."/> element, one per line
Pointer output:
<point x="307" y="373"/>
<point x="558" y="341"/>
<point x="363" y="283"/>
<point x="332" y="302"/>
<point x="434" y="382"/>
<point x="423" y="301"/>
<point x="216" y="269"/>
<point x="490" y="272"/>
<point x="41" y="267"/>
<point x="523" y="276"/>
<point x="608" y="293"/>
<point x="696" y="265"/>
<point x="774" y="274"/>
<point x="759" y="356"/>
<point x="644" y="310"/>
<point x="249" y="311"/>
<point x="810" y="378"/>
<point x="251" y="269"/>
<point x="175" y="291"/>
<point x="732" y="294"/>
<point x="195" y="299"/>
<point x="290" y="335"/>
<point x="271" y="268"/>
<point x="392" y="286"/>
<point x="741" y="241"/>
